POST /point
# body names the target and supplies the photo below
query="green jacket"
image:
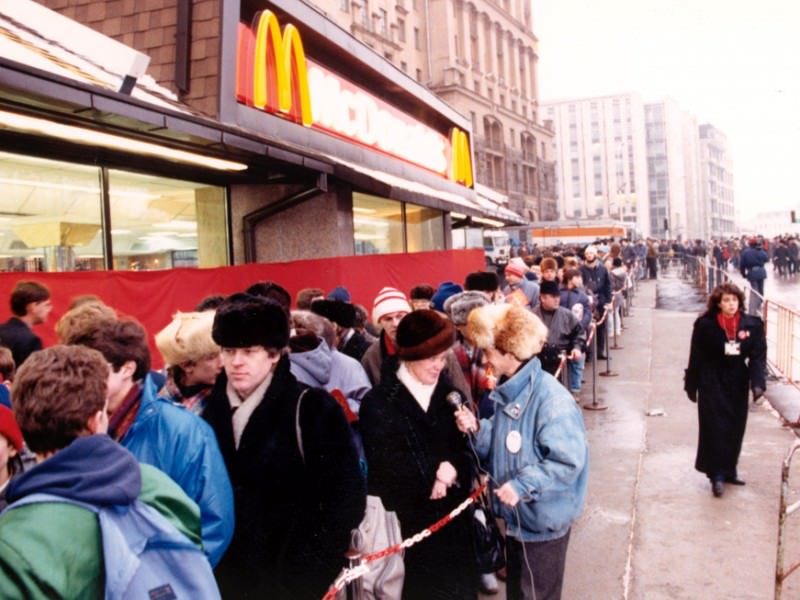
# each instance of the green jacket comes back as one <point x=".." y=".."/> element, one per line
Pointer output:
<point x="53" y="550"/>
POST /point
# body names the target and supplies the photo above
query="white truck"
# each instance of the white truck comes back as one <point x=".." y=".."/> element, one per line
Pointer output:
<point x="496" y="243"/>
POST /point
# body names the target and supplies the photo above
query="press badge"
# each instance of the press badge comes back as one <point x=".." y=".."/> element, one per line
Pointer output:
<point x="732" y="348"/>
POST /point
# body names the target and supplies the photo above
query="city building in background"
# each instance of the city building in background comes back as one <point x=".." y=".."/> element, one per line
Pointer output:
<point x="647" y="164"/>
<point x="601" y="162"/>
<point x="150" y="135"/>
<point x="481" y="58"/>
<point x="716" y="176"/>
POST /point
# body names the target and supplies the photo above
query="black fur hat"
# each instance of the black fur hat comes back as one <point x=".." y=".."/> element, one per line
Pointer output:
<point x="423" y="334"/>
<point x="481" y="281"/>
<point x="244" y="320"/>
<point x="336" y="311"/>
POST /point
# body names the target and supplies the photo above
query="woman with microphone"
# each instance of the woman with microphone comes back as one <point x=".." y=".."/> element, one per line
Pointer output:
<point x="536" y="448"/>
<point x="418" y="461"/>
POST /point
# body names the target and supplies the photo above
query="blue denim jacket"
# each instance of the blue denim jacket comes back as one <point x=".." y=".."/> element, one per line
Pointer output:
<point x="550" y="469"/>
<point x="184" y="446"/>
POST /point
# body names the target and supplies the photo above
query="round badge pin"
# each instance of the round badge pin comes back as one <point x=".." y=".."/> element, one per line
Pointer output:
<point x="513" y="441"/>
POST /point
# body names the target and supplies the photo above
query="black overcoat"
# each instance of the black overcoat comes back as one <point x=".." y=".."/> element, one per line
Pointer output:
<point x="293" y="515"/>
<point x="404" y="446"/>
<point x="721" y="384"/>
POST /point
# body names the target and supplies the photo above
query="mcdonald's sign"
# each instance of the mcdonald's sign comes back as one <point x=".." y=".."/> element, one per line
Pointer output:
<point x="274" y="75"/>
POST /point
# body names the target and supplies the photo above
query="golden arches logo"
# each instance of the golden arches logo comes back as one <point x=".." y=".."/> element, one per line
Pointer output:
<point x="460" y="158"/>
<point x="271" y="72"/>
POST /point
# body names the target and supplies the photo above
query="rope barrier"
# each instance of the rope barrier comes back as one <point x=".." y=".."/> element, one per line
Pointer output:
<point x="349" y="575"/>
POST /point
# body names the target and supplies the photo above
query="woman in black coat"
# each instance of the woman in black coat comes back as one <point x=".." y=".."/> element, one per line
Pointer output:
<point x="727" y="358"/>
<point x="418" y="462"/>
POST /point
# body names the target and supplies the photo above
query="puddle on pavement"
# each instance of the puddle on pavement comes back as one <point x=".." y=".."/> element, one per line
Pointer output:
<point x="673" y="293"/>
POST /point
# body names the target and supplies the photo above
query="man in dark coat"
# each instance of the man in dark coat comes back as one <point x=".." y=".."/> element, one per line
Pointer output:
<point x="727" y="359"/>
<point x="751" y="266"/>
<point x="597" y="281"/>
<point x="30" y="304"/>
<point x="298" y="488"/>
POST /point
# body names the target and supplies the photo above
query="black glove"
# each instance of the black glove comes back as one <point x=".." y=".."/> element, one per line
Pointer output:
<point x="757" y="393"/>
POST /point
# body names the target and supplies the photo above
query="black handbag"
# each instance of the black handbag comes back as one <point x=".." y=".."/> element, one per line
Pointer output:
<point x="488" y="543"/>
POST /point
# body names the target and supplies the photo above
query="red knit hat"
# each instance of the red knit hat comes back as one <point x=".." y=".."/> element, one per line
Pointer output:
<point x="9" y="428"/>
<point x="515" y="269"/>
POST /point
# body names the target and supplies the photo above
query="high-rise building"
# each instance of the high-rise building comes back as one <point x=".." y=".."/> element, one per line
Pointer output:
<point x="481" y="58"/>
<point x="717" y="176"/>
<point x="647" y="164"/>
<point x="601" y="161"/>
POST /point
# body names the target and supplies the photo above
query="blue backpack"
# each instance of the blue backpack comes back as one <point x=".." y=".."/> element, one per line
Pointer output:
<point x="145" y="556"/>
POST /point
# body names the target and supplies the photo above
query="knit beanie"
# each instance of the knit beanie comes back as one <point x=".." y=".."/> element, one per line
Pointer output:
<point x="516" y="266"/>
<point x="446" y="289"/>
<point x="389" y="300"/>
<point x="339" y="293"/>
<point x="482" y="281"/>
<point x="243" y="320"/>
<point x="9" y="428"/>
<point x="423" y="334"/>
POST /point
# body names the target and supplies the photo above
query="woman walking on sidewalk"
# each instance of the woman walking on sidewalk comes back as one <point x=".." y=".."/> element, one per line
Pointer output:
<point x="727" y="358"/>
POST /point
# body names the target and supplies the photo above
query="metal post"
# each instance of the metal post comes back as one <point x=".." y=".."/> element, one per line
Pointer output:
<point x="784" y="511"/>
<point x="354" y="590"/>
<point x="595" y="405"/>
<point x="608" y="372"/>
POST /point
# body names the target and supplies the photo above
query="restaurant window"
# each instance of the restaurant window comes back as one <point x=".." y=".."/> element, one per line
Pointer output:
<point x="383" y="226"/>
<point x="51" y="218"/>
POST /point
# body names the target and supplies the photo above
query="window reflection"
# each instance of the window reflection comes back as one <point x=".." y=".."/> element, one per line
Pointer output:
<point x="377" y="224"/>
<point x="50" y="218"/>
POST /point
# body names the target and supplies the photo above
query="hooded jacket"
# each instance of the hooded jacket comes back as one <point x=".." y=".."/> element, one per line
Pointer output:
<point x="53" y="549"/>
<point x="331" y="370"/>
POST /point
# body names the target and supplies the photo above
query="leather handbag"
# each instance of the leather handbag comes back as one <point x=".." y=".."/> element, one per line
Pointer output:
<point x="488" y="543"/>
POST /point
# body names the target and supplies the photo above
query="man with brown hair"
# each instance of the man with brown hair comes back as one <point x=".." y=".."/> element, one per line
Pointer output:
<point x="30" y="305"/>
<point x="161" y="433"/>
<point x="53" y="549"/>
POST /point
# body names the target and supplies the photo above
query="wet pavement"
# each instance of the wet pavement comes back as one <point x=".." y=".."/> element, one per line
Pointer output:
<point x="651" y="528"/>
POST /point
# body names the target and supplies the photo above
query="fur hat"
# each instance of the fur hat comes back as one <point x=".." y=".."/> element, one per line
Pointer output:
<point x="336" y="311"/>
<point x="422" y="291"/>
<point x="508" y="328"/>
<point x="389" y="300"/>
<point x="446" y="289"/>
<point x="548" y="263"/>
<point x="187" y="338"/>
<point x="549" y="288"/>
<point x="9" y="428"/>
<point x="339" y="293"/>
<point x="243" y="320"/>
<point x="459" y="306"/>
<point x="482" y="281"/>
<point x="422" y="334"/>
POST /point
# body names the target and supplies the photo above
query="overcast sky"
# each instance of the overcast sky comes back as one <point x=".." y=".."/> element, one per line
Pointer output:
<point x="732" y="63"/>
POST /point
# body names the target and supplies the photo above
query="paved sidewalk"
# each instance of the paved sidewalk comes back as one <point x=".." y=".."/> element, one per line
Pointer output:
<point x="651" y="529"/>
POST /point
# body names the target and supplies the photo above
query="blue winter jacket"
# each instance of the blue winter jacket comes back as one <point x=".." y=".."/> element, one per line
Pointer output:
<point x="184" y="446"/>
<point x="550" y="467"/>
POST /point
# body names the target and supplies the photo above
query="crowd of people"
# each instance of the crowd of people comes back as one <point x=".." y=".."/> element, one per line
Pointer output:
<point x="275" y="417"/>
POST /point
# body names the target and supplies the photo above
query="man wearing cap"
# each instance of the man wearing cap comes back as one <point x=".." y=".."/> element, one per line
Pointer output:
<point x="519" y="290"/>
<point x="298" y="488"/>
<point x="564" y="330"/>
<point x="751" y="266"/>
<point x="388" y="309"/>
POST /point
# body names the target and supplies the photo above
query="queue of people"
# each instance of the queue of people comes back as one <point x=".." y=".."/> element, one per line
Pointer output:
<point x="269" y="427"/>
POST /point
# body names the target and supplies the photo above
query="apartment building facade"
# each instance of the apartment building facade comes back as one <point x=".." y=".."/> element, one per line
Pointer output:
<point x="716" y="168"/>
<point x="601" y="160"/>
<point x="481" y="58"/>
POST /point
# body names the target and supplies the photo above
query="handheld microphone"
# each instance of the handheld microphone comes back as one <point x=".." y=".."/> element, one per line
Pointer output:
<point x="455" y="400"/>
